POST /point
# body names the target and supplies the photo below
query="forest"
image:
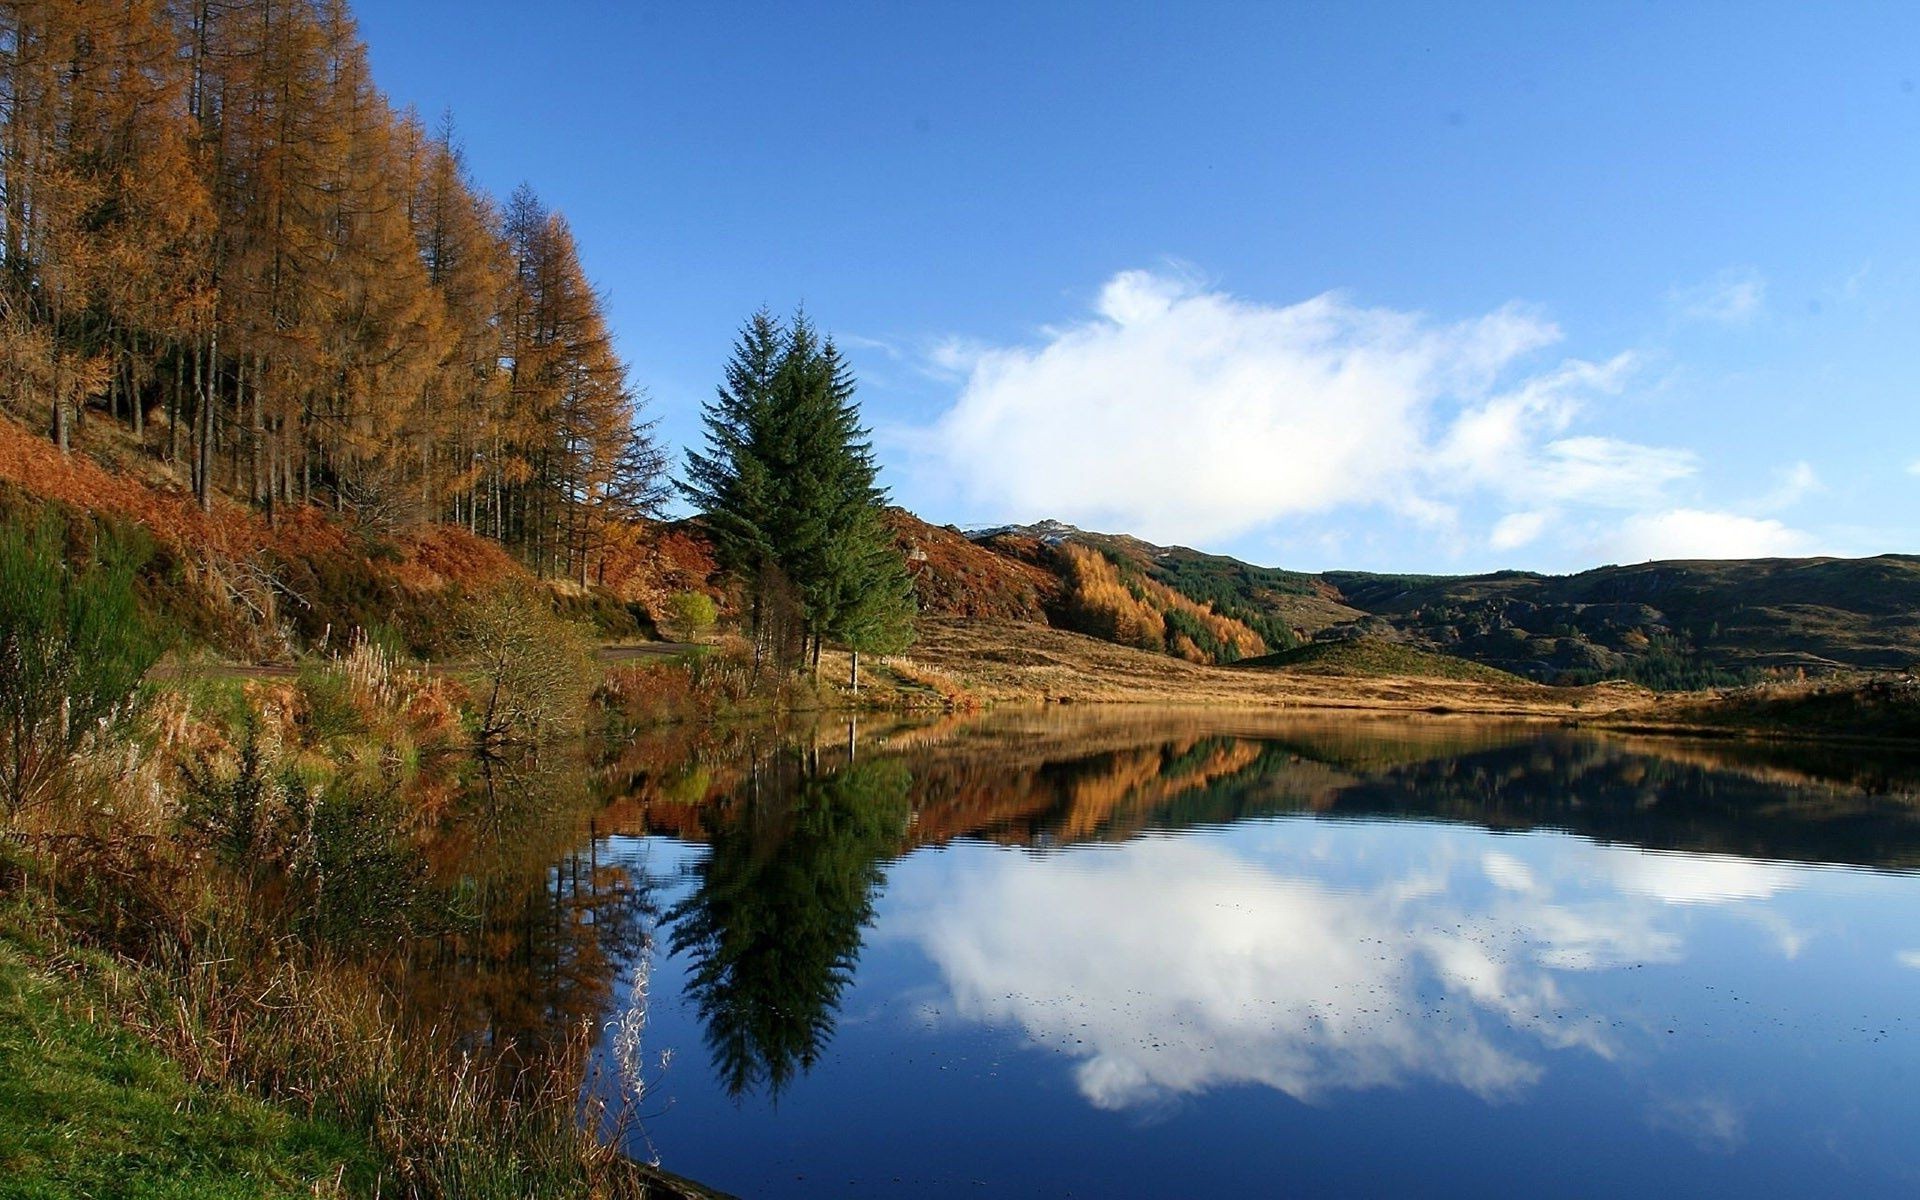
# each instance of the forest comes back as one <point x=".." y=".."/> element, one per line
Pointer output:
<point x="218" y="233"/>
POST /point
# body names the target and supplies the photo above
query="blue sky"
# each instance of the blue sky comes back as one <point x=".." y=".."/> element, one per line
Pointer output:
<point x="1396" y="287"/>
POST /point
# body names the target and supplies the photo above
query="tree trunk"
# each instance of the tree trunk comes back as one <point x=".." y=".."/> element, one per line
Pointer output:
<point x="256" y="444"/>
<point x="173" y="408"/>
<point x="203" y="424"/>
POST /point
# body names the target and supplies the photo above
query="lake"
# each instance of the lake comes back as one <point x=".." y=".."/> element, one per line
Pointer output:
<point x="1112" y="954"/>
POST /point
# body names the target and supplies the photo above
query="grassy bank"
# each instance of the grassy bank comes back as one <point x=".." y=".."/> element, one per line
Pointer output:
<point x="89" y="1108"/>
<point x="232" y="876"/>
<point x="1873" y="709"/>
<point x="960" y="665"/>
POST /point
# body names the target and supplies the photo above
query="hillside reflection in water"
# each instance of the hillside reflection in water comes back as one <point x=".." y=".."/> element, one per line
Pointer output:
<point x="1151" y="955"/>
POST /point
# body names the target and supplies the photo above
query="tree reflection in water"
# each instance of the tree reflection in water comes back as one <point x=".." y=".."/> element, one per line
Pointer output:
<point x="771" y="912"/>
<point x="772" y="928"/>
<point x="527" y="976"/>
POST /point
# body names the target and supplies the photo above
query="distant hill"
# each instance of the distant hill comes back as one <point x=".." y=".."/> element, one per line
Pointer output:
<point x="1367" y="656"/>
<point x="1664" y="624"/>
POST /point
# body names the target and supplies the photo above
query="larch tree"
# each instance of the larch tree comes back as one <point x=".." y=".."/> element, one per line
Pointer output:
<point x="209" y="211"/>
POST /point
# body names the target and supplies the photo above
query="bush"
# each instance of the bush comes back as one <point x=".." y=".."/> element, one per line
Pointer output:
<point x="535" y="668"/>
<point x="692" y="613"/>
<point x="73" y="649"/>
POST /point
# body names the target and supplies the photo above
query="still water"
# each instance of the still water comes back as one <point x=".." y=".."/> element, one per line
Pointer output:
<point x="1112" y="956"/>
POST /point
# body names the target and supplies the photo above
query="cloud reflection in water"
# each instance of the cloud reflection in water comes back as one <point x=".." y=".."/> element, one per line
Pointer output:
<point x="1170" y="967"/>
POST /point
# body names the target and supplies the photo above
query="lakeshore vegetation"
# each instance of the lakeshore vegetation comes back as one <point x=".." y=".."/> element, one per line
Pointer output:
<point x="231" y="266"/>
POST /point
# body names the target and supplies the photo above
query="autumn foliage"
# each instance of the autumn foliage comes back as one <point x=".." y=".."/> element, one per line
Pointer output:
<point x="1137" y="611"/>
<point x="218" y="234"/>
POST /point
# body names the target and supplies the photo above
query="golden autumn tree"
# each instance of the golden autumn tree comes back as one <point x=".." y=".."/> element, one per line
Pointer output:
<point x="210" y="212"/>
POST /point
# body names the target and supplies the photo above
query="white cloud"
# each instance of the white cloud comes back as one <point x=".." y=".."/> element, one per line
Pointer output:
<point x="1733" y="297"/>
<point x="1913" y="468"/>
<point x="1675" y="878"/>
<point x="1519" y="529"/>
<point x="955" y="356"/>
<point x="1169" y="968"/>
<point x="1908" y="958"/>
<point x="1508" y="872"/>
<point x="1698" y="533"/>
<point x="1185" y="414"/>
<point x="1715" y="1123"/>
<point x="1797" y="482"/>
<point x="1604" y="471"/>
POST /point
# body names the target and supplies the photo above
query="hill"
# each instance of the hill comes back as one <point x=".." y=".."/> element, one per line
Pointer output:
<point x="1366" y="656"/>
<point x="230" y="579"/>
<point x="1664" y="624"/>
<point x="265" y="584"/>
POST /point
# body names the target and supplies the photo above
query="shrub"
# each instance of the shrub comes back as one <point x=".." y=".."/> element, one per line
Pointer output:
<point x="692" y="614"/>
<point x="534" y="668"/>
<point x="73" y="649"/>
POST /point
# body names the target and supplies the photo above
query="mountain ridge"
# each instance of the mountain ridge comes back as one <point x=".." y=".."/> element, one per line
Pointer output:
<point x="1665" y="623"/>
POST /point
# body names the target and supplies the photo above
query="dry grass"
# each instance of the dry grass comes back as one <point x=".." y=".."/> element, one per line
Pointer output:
<point x="999" y="663"/>
<point x="231" y="887"/>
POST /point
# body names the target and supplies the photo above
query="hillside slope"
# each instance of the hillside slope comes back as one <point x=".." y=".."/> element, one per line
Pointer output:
<point x="233" y="579"/>
<point x="1666" y="624"/>
<point x="229" y="579"/>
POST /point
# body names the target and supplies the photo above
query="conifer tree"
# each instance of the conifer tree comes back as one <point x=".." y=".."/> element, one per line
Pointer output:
<point x="789" y="491"/>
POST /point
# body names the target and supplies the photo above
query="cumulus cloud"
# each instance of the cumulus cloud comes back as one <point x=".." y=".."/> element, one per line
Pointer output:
<point x="1180" y="412"/>
<point x="1733" y="297"/>
<point x="1240" y="969"/>
<point x="1699" y="533"/>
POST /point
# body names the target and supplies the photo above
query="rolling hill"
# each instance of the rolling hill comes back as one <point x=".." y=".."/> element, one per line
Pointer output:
<point x="1665" y="624"/>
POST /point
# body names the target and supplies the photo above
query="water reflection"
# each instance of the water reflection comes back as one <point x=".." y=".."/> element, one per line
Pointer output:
<point x="773" y="924"/>
<point x="1169" y="967"/>
<point x="1188" y="921"/>
<point x="545" y="920"/>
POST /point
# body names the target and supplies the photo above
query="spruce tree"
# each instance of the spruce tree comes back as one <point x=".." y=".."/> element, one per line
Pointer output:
<point x="732" y="483"/>
<point x="789" y="489"/>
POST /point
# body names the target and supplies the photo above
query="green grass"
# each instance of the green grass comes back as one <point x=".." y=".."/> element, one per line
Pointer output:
<point x="1370" y="657"/>
<point x="87" y="1110"/>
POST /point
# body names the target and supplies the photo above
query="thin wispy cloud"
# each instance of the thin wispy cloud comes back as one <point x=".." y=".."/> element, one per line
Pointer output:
<point x="1733" y="297"/>
<point x="1796" y="483"/>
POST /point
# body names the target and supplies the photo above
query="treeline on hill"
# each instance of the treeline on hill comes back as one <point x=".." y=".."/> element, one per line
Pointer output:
<point x="217" y="231"/>
<point x="788" y="490"/>
<point x="1104" y="597"/>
